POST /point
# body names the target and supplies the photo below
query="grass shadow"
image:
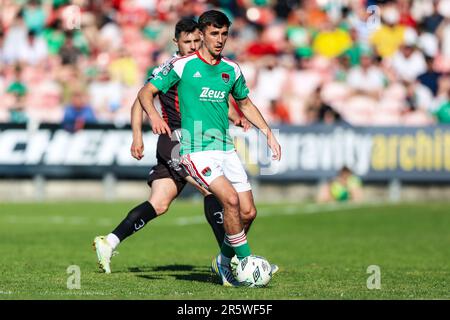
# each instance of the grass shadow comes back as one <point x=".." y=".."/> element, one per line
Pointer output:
<point x="149" y="277"/>
<point x="178" y="271"/>
<point x="168" y="268"/>
<point x="197" y="276"/>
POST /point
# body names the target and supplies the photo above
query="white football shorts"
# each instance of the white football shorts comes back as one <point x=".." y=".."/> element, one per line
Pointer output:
<point x="205" y="166"/>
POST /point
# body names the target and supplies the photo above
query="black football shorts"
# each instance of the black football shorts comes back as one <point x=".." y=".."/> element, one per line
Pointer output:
<point x="168" y="166"/>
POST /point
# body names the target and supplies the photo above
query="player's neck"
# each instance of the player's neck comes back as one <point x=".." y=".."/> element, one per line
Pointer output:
<point x="207" y="57"/>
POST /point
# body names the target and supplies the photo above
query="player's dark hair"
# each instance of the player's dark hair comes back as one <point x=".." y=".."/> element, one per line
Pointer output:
<point x="213" y="18"/>
<point x="185" y="25"/>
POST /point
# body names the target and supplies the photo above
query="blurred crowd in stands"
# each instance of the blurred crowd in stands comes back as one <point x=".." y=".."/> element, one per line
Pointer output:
<point x="363" y="62"/>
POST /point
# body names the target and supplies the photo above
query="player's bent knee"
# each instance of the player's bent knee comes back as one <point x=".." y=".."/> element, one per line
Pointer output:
<point x="252" y="214"/>
<point x="232" y="201"/>
<point x="249" y="215"/>
<point x="161" y="208"/>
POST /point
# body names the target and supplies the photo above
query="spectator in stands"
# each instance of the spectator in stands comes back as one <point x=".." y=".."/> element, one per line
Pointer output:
<point x="129" y="37"/>
<point x="367" y="78"/>
<point x="110" y="34"/>
<point x="279" y="113"/>
<point x="123" y="68"/>
<point x="18" y="90"/>
<point x="270" y="81"/>
<point x="345" y="187"/>
<point x="409" y="62"/>
<point x="35" y="15"/>
<point x="78" y="113"/>
<point x="332" y="41"/>
<point x="69" y="53"/>
<point x="17" y="86"/>
<point x="105" y="96"/>
<point x="430" y="78"/>
<point x="442" y="112"/>
<point x="55" y="37"/>
<point x="34" y="49"/>
<point x="417" y="105"/>
<point x="406" y="18"/>
<point x="327" y="115"/>
<point x="297" y="33"/>
<point x="15" y="38"/>
<point x="341" y="67"/>
<point x="389" y="37"/>
<point x="432" y="22"/>
<point x="317" y="111"/>
<point x="427" y="42"/>
<point x="315" y="16"/>
<point x="357" y="19"/>
<point x="418" y="96"/>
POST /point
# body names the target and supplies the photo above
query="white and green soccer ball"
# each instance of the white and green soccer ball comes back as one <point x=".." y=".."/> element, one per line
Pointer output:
<point x="253" y="271"/>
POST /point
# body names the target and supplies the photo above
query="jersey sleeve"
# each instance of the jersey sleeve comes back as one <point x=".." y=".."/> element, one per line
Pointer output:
<point x="240" y="90"/>
<point x="165" y="78"/>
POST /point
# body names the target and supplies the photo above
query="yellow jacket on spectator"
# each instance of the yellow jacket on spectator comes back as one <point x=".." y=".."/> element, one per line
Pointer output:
<point x="125" y="70"/>
<point x="387" y="40"/>
<point x="332" y="43"/>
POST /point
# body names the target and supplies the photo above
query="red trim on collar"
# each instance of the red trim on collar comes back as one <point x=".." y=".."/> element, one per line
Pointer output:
<point x="201" y="58"/>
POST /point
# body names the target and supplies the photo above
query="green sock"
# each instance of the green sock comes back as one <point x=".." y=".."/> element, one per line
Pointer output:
<point x="227" y="250"/>
<point x="242" y="251"/>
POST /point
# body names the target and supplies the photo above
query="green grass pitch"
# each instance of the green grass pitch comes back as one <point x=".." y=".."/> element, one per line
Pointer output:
<point x="323" y="252"/>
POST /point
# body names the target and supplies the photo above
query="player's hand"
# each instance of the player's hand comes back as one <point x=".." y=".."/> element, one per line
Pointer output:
<point x="243" y="123"/>
<point x="275" y="147"/>
<point x="159" y="126"/>
<point x="137" y="149"/>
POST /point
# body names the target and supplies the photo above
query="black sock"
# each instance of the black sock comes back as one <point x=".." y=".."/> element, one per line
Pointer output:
<point x="214" y="215"/>
<point x="136" y="219"/>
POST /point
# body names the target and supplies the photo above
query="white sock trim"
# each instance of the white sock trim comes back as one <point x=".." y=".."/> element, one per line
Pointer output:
<point x="236" y="240"/>
<point x="112" y="240"/>
<point x="234" y="236"/>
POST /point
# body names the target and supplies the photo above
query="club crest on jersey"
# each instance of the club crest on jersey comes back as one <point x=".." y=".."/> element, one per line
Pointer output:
<point x="206" y="172"/>
<point x="225" y="77"/>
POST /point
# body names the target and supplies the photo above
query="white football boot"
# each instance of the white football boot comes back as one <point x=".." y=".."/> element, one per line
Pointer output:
<point x="104" y="253"/>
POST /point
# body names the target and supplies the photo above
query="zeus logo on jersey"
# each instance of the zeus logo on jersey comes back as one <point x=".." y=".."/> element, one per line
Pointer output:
<point x="209" y="93"/>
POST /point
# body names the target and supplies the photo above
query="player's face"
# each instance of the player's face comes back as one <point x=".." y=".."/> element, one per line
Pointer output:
<point x="214" y="39"/>
<point x="188" y="42"/>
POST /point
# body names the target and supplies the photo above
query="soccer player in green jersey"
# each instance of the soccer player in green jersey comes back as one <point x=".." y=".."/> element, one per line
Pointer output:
<point x="167" y="178"/>
<point x="204" y="81"/>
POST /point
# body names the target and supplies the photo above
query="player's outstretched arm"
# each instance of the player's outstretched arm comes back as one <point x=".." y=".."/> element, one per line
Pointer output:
<point x="252" y="113"/>
<point x="237" y="119"/>
<point x="137" y="146"/>
<point x="145" y="96"/>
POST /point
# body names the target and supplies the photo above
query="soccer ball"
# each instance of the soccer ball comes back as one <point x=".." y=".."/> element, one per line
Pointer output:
<point x="253" y="271"/>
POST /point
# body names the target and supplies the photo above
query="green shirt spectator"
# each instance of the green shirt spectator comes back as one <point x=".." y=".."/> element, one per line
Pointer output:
<point x="55" y="40"/>
<point x="344" y="187"/>
<point x="442" y="114"/>
<point x="341" y="191"/>
<point x="17" y="88"/>
<point x="35" y="16"/>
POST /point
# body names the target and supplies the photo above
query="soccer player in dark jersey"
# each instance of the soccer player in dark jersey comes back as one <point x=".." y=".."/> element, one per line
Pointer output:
<point x="167" y="179"/>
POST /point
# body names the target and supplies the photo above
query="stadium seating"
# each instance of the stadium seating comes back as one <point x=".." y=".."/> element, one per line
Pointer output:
<point x="143" y="33"/>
